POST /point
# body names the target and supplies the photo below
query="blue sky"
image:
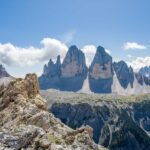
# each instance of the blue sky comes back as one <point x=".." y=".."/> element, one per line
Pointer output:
<point x="109" y="23"/>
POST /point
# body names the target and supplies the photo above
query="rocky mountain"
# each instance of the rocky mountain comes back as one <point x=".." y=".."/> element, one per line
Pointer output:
<point x="145" y="71"/>
<point x="5" y="77"/>
<point x="124" y="74"/>
<point x="3" y="72"/>
<point x="74" y="63"/>
<point x="103" y="75"/>
<point x="118" y="122"/>
<point x="68" y="76"/>
<point x="101" y="72"/>
<point x="25" y="123"/>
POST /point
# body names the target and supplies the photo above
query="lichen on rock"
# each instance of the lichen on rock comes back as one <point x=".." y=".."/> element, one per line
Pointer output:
<point x="26" y="124"/>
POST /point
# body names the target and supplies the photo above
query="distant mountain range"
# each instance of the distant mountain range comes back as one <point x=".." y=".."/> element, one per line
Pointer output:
<point x="103" y="75"/>
<point x="5" y="77"/>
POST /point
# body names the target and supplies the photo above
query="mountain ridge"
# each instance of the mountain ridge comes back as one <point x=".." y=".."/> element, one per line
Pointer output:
<point x="73" y="72"/>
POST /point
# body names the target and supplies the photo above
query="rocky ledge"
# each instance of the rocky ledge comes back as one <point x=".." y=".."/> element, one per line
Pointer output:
<point x="25" y="123"/>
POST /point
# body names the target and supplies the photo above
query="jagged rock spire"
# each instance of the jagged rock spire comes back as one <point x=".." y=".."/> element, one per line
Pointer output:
<point x="74" y="63"/>
<point x="101" y="66"/>
<point x="3" y="72"/>
<point x="53" y="69"/>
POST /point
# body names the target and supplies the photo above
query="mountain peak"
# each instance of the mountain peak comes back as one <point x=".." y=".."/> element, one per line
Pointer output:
<point x="3" y="72"/>
<point x="58" y="62"/>
<point x="73" y="47"/>
<point x="101" y="49"/>
<point x="74" y="63"/>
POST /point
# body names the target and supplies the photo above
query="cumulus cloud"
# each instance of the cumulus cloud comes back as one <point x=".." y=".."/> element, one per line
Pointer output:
<point x="140" y="62"/>
<point x="14" y="55"/>
<point x="89" y="51"/>
<point x="134" y="45"/>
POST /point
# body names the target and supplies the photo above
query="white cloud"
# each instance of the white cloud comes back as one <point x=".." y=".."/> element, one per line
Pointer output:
<point x="140" y="62"/>
<point x="134" y="45"/>
<point x="89" y="51"/>
<point x="13" y="55"/>
<point x="129" y="56"/>
<point x="108" y="51"/>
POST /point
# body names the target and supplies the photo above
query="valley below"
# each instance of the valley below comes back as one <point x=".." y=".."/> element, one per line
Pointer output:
<point x="118" y="122"/>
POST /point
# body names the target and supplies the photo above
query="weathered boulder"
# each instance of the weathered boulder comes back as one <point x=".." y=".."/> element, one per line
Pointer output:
<point x="26" y="124"/>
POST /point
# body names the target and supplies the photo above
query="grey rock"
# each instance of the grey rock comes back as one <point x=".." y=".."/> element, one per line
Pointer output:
<point x="124" y="74"/>
<point x="3" y="72"/>
<point x="66" y="77"/>
<point x="101" y="72"/>
<point x="113" y="127"/>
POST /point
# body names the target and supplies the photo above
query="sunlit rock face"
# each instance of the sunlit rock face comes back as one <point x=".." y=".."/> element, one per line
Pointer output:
<point x="101" y="72"/>
<point x="103" y="75"/>
<point x="68" y="76"/>
<point x="143" y="76"/>
<point x="74" y="63"/>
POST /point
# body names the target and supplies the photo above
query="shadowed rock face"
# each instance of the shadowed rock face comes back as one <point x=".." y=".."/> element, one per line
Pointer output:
<point x="124" y="74"/>
<point x="100" y="72"/>
<point x="103" y="76"/>
<point x="68" y="76"/>
<point x="143" y="76"/>
<point x="3" y="72"/>
<point x="118" y="128"/>
<point x="26" y="124"/>
<point x="53" y="70"/>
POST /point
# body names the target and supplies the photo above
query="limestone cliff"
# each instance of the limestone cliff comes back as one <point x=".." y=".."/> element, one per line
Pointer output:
<point x="101" y="72"/>
<point x="25" y="123"/>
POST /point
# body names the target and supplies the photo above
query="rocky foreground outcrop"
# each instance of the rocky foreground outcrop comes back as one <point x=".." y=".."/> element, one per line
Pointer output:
<point x="25" y="123"/>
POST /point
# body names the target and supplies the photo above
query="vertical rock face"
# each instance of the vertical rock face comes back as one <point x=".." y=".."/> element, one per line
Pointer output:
<point x="100" y="72"/>
<point x="124" y="74"/>
<point x="68" y="76"/>
<point x="5" y="77"/>
<point x="101" y="67"/>
<point x="103" y="76"/>
<point x="143" y="76"/>
<point x="3" y="72"/>
<point x="118" y="127"/>
<point x="74" y="63"/>
<point x="52" y="69"/>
